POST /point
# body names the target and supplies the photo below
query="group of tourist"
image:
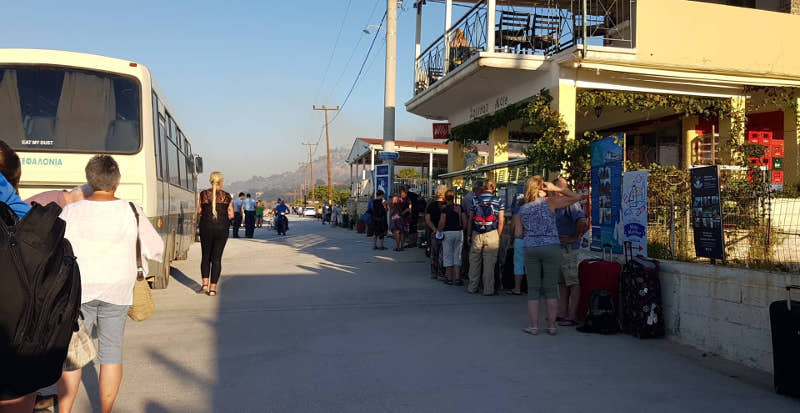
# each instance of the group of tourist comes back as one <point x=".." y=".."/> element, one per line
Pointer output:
<point x="105" y="234"/>
<point x="399" y="215"/>
<point x="547" y="225"/>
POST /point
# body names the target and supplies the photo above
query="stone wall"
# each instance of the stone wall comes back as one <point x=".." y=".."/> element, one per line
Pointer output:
<point x="723" y="310"/>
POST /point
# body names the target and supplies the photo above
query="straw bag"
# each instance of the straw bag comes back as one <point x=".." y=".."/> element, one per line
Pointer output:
<point x="143" y="305"/>
<point x="81" y="350"/>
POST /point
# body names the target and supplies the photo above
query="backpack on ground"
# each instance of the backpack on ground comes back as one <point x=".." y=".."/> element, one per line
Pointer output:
<point x="602" y="315"/>
<point x="41" y="297"/>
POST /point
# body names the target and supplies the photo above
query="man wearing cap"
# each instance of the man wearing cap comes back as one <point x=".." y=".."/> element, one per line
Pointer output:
<point x="571" y="224"/>
<point x="485" y="226"/>
<point x="466" y="206"/>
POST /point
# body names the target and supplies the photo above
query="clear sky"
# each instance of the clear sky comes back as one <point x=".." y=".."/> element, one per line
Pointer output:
<point x="242" y="76"/>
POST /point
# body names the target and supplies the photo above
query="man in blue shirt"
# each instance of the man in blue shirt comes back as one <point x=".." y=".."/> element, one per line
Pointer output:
<point x="280" y="207"/>
<point x="237" y="214"/>
<point x="572" y="224"/>
<point x="486" y="221"/>
<point x="249" y="206"/>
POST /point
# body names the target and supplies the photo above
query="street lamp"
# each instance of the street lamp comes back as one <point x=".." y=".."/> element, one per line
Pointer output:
<point x="366" y="29"/>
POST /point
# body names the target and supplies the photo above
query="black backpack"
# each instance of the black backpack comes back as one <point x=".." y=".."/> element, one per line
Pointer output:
<point x="41" y="287"/>
<point x="602" y="314"/>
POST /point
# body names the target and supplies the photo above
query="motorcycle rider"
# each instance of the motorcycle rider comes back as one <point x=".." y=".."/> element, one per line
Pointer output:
<point x="281" y="212"/>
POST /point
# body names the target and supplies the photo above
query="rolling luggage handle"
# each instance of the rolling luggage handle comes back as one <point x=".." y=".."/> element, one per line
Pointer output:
<point x="610" y="252"/>
<point x="789" y="289"/>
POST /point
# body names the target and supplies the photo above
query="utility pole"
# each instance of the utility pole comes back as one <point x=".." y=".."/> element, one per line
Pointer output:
<point x="311" y="167"/>
<point x="389" y="97"/>
<point x="328" y="142"/>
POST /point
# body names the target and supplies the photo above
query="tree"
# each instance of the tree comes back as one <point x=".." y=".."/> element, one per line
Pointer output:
<point x="409" y="173"/>
<point x="340" y="195"/>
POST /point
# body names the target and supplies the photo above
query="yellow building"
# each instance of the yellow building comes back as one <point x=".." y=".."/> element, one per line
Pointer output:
<point x="495" y="53"/>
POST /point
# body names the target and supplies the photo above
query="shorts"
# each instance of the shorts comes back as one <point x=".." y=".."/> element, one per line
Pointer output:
<point x="110" y="322"/>
<point x="519" y="256"/>
<point x="569" y="266"/>
<point x="451" y="248"/>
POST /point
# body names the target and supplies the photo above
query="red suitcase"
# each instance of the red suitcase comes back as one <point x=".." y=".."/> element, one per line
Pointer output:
<point x="596" y="273"/>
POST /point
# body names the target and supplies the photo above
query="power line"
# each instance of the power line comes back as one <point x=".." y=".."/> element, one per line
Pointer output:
<point x="333" y="51"/>
<point x="361" y="70"/>
<point x="355" y="48"/>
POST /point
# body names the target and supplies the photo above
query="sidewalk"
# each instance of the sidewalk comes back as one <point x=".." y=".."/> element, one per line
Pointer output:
<point x="317" y="321"/>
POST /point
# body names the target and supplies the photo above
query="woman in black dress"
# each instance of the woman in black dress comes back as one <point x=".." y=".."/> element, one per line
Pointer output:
<point x="216" y="212"/>
<point x="379" y="224"/>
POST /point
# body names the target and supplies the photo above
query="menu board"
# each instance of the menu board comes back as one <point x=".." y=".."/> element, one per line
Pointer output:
<point x="707" y="213"/>
<point x="606" y="161"/>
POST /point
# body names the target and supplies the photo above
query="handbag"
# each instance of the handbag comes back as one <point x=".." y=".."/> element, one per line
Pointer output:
<point x="143" y="305"/>
<point x="81" y="350"/>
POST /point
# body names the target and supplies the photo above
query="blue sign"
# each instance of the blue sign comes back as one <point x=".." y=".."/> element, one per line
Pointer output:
<point x="382" y="180"/>
<point x="606" y="159"/>
<point x="388" y="156"/>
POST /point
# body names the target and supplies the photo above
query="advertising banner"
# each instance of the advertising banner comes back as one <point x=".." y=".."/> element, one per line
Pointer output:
<point x="634" y="210"/>
<point x="606" y="161"/>
<point x="707" y="213"/>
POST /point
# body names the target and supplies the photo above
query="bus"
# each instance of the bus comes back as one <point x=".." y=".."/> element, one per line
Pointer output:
<point x="59" y="108"/>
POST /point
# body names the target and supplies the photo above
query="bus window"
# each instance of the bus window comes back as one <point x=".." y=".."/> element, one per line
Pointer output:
<point x="189" y="173"/>
<point x="156" y="141"/>
<point x="172" y="161"/>
<point x="182" y="169"/>
<point x="172" y="133"/>
<point x="160" y="138"/>
<point x="57" y="109"/>
<point x="179" y="141"/>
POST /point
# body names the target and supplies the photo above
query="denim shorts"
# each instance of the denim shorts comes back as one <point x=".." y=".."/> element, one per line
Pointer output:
<point x="109" y="320"/>
<point x="519" y="256"/>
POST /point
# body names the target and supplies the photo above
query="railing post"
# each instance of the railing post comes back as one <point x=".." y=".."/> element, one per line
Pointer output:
<point x="417" y="40"/>
<point x="491" y="8"/>
<point x="448" y="21"/>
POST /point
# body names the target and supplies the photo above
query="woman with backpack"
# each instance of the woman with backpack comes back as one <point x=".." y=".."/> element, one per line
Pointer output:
<point x="103" y="231"/>
<point x="451" y="225"/>
<point x="536" y="225"/>
<point x="378" y="220"/>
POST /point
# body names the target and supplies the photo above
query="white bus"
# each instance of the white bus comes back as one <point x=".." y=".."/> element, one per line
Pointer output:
<point x="57" y="109"/>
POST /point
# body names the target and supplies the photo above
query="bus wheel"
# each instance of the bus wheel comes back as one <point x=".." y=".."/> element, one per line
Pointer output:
<point x="162" y="279"/>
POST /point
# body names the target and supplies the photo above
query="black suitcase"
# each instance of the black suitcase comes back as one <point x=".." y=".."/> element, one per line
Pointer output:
<point x="640" y="292"/>
<point x="784" y="319"/>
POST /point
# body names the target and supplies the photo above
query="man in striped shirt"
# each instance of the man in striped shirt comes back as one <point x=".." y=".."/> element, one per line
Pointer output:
<point x="486" y="218"/>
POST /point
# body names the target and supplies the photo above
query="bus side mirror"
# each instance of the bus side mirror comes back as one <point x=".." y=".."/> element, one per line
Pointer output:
<point x="198" y="164"/>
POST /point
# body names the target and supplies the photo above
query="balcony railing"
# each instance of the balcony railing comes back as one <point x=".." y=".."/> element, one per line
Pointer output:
<point x="549" y="28"/>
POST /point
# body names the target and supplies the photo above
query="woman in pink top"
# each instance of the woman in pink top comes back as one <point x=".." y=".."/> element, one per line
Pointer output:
<point x="103" y="233"/>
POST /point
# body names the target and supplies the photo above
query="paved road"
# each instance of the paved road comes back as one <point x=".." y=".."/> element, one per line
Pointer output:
<point x="317" y="322"/>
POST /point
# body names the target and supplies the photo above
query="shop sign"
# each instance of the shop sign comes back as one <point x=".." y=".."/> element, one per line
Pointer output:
<point x="441" y="130"/>
<point x="707" y="213"/>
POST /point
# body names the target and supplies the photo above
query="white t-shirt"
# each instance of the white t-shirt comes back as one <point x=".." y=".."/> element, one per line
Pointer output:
<point x="103" y="238"/>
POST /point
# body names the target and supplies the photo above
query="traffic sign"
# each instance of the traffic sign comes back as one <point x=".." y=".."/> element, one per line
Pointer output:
<point x="388" y="156"/>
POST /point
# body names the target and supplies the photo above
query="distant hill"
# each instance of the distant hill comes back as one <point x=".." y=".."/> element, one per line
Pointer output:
<point x="287" y="184"/>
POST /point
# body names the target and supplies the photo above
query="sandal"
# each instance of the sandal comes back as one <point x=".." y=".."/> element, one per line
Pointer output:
<point x="212" y="293"/>
<point x="552" y="331"/>
<point x="567" y="323"/>
<point x="512" y="292"/>
<point x="531" y="330"/>
<point x="203" y="289"/>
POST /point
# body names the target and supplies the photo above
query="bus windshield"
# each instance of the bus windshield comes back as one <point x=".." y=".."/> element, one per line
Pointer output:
<point x="69" y="110"/>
